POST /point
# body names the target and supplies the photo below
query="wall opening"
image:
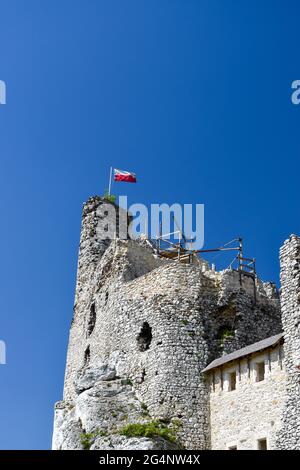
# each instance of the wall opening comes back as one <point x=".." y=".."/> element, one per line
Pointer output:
<point x="144" y="338"/>
<point x="232" y="381"/>
<point x="232" y="448"/>
<point x="87" y="356"/>
<point x="260" y="371"/>
<point x="92" y="320"/>
<point x="262" y="444"/>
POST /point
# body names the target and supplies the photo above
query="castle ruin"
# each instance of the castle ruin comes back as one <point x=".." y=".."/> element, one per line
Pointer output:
<point x="145" y="341"/>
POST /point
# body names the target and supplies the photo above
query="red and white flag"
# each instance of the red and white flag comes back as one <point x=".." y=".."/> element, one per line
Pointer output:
<point x="125" y="176"/>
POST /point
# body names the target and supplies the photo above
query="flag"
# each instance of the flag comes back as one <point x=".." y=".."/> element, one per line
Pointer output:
<point x="124" y="176"/>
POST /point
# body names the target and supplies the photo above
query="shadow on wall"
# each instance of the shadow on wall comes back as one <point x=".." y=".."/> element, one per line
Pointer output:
<point x="144" y="338"/>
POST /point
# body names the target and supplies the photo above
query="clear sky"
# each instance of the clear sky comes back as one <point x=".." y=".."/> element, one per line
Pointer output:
<point x="192" y="95"/>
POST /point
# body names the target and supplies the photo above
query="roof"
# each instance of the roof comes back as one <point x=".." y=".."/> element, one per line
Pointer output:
<point x="252" y="348"/>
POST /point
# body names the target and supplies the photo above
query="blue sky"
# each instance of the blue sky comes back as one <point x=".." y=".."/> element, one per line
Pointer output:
<point x="192" y="95"/>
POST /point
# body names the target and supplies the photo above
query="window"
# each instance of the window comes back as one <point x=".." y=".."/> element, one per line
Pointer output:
<point x="262" y="444"/>
<point x="232" y="448"/>
<point x="232" y="381"/>
<point x="260" y="371"/>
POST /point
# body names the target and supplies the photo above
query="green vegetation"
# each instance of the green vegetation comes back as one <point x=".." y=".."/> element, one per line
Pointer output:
<point x="225" y="334"/>
<point x="154" y="428"/>
<point x="87" y="439"/>
<point x="151" y="429"/>
<point x="109" y="197"/>
<point x="176" y="423"/>
<point x="128" y="381"/>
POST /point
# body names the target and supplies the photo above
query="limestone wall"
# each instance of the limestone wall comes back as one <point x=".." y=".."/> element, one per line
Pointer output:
<point x="253" y="410"/>
<point x="147" y="327"/>
<point x="289" y="437"/>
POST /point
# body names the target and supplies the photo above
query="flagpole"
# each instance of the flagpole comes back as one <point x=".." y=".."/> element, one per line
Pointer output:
<point x="109" y="186"/>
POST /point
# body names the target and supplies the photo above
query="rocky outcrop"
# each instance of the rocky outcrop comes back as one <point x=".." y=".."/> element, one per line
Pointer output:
<point x="104" y="407"/>
<point x="133" y="443"/>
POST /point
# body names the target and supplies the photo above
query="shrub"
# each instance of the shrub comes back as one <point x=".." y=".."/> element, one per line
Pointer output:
<point x="87" y="439"/>
<point x="127" y="381"/>
<point x="109" y="197"/>
<point x="150" y="429"/>
<point x="225" y="334"/>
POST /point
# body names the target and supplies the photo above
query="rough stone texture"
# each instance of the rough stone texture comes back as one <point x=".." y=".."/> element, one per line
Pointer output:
<point x="253" y="410"/>
<point x="131" y="443"/>
<point x="100" y="411"/>
<point x="155" y="323"/>
<point x="67" y="428"/>
<point x="289" y="436"/>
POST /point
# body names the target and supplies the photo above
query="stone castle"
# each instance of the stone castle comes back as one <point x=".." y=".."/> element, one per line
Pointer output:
<point x="170" y="355"/>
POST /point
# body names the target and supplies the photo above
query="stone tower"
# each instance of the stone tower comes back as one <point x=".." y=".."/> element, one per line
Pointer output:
<point x="143" y="330"/>
<point x="289" y="437"/>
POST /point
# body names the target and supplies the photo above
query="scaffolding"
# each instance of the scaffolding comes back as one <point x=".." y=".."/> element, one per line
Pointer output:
<point x="180" y="252"/>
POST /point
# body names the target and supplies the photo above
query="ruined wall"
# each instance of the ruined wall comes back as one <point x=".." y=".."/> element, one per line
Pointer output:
<point x="253" y="410"/>
<point x="143" y="329"/>
<point x="289" y="436"/>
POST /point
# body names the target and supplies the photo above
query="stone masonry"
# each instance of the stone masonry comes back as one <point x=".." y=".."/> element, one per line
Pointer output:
<point x="143" y="330"/>
<point x="289" y="436"/>
<point x="252" y="411"/>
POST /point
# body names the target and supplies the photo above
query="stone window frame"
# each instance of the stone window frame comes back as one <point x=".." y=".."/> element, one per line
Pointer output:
<point x="232" y="381"/>
<point x="245" y="369"/>
<point x="259" y="359"/>
<point x="226" y="382"/>
<point x="260" y="438"/>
